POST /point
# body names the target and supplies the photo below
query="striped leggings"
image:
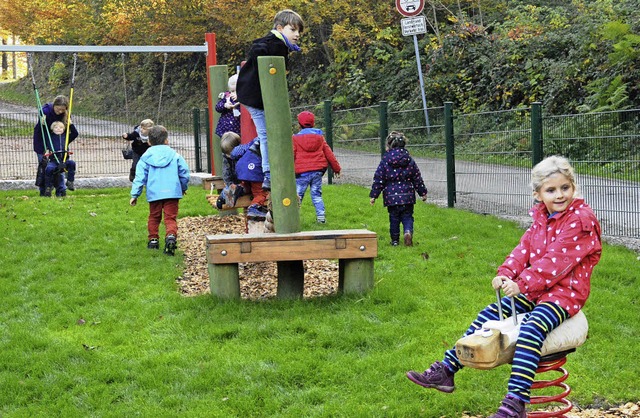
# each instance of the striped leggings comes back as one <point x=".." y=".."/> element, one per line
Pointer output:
<point x="540" y="321"/>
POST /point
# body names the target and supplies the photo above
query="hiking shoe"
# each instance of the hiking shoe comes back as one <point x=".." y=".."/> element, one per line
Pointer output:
<point x="153" y="244"/>
<point x="47" y="191"/>
<point x="437" y="376"/>
<point x="394" y="243"/>
<point x="511" y="407"/>
<point x="170" y="245"/>
<point x="321" y="220"/>
<point x="70" y="185"/>
<point x="408" y="239"/>
<point x="266" y="183"/>
<point x="256" y="213"/>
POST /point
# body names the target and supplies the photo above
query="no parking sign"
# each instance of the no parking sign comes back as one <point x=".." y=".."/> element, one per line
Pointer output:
<point x="410" y="8"/>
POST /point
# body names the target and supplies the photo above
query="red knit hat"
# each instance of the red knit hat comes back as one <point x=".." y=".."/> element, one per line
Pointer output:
<point x="306" y="119"/>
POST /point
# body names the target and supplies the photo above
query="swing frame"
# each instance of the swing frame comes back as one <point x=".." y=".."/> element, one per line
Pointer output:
<point x="208" y="47"/>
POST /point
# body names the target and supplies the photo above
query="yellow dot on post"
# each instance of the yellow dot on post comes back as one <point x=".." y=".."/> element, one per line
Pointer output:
<point x="272" y="70"/>
<point x="286" y="201"/>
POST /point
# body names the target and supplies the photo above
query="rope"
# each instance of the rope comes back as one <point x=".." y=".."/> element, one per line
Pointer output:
<point x="164" y="69"/>
<point x="73" y="82"/>
<point x="41" y="115"/>
<point x="124" y="80"/>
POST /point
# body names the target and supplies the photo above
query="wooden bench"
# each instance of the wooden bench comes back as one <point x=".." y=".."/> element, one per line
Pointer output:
<point x="355" y="251"/>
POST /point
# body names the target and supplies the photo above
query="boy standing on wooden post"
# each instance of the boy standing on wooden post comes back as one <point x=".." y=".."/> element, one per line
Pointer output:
<point x="287" y="27"/>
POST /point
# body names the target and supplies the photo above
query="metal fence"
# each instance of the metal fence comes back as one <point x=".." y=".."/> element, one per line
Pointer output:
<point x="480" y="161"/>
<point x="97" y="150"/>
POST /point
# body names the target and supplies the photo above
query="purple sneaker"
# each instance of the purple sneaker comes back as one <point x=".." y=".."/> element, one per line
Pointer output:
<point x="511" y="407"/>
<point x="437" y="376"/>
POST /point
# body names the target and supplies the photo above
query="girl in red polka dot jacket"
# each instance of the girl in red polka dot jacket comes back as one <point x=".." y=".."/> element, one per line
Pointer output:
<point x="398" y="178"/>
<point x="548" y="274"/>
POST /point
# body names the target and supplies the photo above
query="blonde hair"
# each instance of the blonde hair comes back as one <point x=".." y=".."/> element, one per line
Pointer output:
<point x="550" y="166"/>
<point x="146" y="123"/>
<point x="288" y="17"/>
<point x="229" y="141"/>
<point x="56" y="123"/>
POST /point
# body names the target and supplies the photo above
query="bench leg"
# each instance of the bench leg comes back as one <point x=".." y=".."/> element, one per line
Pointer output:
<point x="355" y="275"/>
<point x="290" y="279"/>
<point x="224" y="281"/>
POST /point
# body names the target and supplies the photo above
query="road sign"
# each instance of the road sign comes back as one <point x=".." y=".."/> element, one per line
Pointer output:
<point x="413" y="25"/>
<point x="410" y="7"/>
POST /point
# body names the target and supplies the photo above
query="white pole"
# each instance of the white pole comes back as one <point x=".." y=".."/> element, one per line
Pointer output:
<point x="111" y="48"/>
<point x="424" y="99"/>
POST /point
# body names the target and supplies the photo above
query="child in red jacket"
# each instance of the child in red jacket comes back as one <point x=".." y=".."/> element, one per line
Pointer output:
<point x="311" y="157"/>
<point x="548" y="274"/>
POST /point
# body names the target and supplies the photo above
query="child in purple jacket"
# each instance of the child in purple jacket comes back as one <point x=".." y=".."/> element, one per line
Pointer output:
<point x="398" y="178"/>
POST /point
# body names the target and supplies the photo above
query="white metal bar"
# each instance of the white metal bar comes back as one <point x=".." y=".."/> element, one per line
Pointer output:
<point x="95" y="48"/>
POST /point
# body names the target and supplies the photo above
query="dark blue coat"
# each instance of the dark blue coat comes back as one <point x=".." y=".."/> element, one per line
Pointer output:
<point x="398" y="178"/>
<point x="38" y="141"/>
<point x="248" y="87"/>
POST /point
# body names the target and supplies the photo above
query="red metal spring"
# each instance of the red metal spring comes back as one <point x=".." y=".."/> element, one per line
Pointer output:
<point x="560" y="398"/>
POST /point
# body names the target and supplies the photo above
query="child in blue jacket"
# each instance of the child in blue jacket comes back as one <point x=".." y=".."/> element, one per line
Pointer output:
<point x="398" y="178"/>
<point x="165" y="174"/>
<point x="249" y="171"/>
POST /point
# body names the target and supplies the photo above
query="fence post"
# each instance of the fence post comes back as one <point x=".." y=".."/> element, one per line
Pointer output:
<point x="384" y="125"/>
<point x="536" y="133"/>
<point x="196" y="138"/>
<point x="451" y="161"/>
<point x="328" y="132"/>
<point x="207" y="131"/>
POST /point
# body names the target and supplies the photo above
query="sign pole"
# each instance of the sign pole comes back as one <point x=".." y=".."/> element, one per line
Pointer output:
<point x="413" y="24"/>
<point x="424" y="99"/>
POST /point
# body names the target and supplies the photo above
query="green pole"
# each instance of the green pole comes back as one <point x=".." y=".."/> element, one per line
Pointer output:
<point x="275" y="95"/>
<point x="328" y="133"/>
<point x="218" y="80"/>
<point x="451" y="161"/>
<point x="536" y="133"/>
<point x="384" y="126"/>
<point x="207" y="134"/>
<point x="196" y="138"/>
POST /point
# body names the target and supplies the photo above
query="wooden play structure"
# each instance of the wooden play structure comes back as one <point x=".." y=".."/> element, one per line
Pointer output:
<point x="355" y="250"/>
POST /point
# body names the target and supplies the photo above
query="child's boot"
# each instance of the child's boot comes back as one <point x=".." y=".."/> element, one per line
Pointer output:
<point x="170" y="244"/>
<point x="47" y="191"/>
<point x="438" y="376"/>
<point x="153" y="244"/>
<point x="266" y="182"/>
<point x="408" y="239"/>
<point x="511" y="407"/>
<point x="70" y="185"/>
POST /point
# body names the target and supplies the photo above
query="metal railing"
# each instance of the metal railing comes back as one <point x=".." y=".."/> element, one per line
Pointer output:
<point x="480" y="161"/>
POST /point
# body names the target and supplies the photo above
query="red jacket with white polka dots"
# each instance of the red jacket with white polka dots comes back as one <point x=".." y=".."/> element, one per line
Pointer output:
<point x="555" y="257"/>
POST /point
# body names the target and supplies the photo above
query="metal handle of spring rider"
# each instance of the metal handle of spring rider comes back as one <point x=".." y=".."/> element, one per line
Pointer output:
<point x="513" y="308"/>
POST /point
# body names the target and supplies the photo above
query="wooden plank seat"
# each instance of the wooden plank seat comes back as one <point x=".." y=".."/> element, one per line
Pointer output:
<point x="355" y="251"/>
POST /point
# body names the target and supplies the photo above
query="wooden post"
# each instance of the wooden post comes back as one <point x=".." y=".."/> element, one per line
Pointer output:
<point x="355" y="275"/>
<point x="284" y="199"/>
<point x="218" y="80"/>
<point x="211" y="59"/>
<point x="224" y="281"/>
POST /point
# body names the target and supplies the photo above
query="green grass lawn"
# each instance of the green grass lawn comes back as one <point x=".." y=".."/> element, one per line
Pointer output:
<point x="92" y="323"/>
